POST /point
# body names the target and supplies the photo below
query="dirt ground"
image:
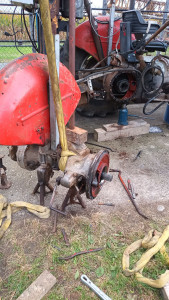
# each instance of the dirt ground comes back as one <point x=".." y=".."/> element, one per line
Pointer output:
<point x="149" y="175"/>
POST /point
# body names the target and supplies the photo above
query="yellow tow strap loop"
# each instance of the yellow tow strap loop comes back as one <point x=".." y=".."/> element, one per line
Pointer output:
<point x="154" y="241"/>
<point x="6" y="210"/>
<point x="50" y="49"/>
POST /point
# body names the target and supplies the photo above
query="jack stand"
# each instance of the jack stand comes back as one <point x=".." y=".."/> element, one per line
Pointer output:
<point x="44" y="173"/>
<point x="53" y="197"/>
<point x="70" y="196"/>
<point x="4" y="183"/>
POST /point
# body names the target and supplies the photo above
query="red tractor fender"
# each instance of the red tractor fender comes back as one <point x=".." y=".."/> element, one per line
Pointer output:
<point x="84" y="37"/>
<point x="24" y="112"/>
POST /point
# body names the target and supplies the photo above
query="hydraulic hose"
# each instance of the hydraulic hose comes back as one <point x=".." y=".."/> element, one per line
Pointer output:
<point x="152" y="111"/>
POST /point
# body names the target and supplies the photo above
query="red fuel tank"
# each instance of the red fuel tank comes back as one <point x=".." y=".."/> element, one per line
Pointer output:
<point x="24" y="107"/>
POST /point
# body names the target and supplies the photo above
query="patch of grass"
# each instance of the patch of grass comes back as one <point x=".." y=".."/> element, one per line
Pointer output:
<point x="20" y="279"/>
<point x="9" y="53"/>
<point x="6" y="25"/>
<point x="104" y="268"/>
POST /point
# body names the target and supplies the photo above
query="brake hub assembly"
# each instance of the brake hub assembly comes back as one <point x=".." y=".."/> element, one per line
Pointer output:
<point x="87" y="174"/>
<point x="98" y="174"/>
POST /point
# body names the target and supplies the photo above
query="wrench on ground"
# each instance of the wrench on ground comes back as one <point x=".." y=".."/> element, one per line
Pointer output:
<point x="94" y="288"/>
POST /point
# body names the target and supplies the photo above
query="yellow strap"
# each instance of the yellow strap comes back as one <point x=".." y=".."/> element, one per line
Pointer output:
<point x="63" y="159"/>
<point x="47" y="29"/>
<point x="6" y="210"/>
<point x="154" y="242"/>
<point x="67" y="153"/>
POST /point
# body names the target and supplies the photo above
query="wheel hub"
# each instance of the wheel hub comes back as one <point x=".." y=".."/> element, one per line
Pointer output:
<point x="98" y="174"/>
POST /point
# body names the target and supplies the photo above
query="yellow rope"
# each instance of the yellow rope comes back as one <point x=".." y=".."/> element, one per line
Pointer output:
<point x="154" y="241"/>
<point x="50" y="49"/>
<point x="6" y="210"/>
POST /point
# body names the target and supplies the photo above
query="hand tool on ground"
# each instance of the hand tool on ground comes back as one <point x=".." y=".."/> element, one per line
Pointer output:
<point x="107" y="204"/>
<point x="131" y="189"/>
<point x="140" y="117"/>
<point x="53" y="197"/>
<point x="80" y="253"/>
<point x="138" y="155"/>
<point x="128" y="192"/>
<point x="55" y="220"/>
<point x="94" y="288"/>
<point x="133" y="192"/>
<point x="100" y="146"/>
<point x="65" y="237"/>
<point x="53" y="246"/>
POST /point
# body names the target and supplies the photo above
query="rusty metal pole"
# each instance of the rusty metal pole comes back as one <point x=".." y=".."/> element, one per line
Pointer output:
<point x="104" y="7"/>
<point x="111" y="27"/>
<point x="50" y="49"/>
<point x="165" y="15"/>
<point x="157" y="32"/>
<point x="72" y="49"/>
<point x="132" y="4"/>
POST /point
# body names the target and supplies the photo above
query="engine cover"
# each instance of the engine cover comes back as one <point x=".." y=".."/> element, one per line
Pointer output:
<point x="24" y="113"/>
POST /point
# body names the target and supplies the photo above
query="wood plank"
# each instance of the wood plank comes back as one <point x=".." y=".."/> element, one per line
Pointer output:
<point x="39" y="288"/>
<point x="131" y="124"/>
<point x="118" y="131"/>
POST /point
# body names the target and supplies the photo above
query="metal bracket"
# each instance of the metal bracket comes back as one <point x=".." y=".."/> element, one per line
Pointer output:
<point x="4" y="183"/>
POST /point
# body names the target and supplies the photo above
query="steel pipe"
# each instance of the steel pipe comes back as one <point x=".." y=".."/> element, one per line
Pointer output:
<point x="132" y="4"/>
<point x="50" y="49"/>
<point x="157" y="32"/>
<point x="72" y="49"/>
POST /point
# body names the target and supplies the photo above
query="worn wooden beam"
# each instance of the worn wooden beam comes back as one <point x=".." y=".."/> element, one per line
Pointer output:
<point x="39" y="288"/>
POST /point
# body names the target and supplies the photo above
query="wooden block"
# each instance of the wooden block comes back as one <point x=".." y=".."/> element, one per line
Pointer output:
<point x="131" y="124"/>
<point x="165" y="291"/>
<point x="77" y="135"/>
<point x="113" y="131"/>
<point x="39" y="288"/>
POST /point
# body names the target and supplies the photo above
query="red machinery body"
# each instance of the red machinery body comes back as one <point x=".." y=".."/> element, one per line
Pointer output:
<point x="24" y="113"/>
<point x="84" y="37"/>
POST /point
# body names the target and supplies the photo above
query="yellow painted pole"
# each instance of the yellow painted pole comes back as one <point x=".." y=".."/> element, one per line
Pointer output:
<point x="50" y="49"/>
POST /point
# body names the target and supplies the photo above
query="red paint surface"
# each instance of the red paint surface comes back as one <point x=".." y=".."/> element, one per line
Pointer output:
<point x="24" y="109"/>
<point x="103" y="165"/>
<point x="84" y="38"/>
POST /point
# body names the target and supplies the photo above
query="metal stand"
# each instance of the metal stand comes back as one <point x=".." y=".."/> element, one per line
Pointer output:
<point x="44" y="173"/>
<point x="4" y="183"/>
<point x="70" y="198"/>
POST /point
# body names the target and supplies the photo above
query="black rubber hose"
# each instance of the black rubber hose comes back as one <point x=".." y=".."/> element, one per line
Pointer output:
<point x="143" y="79"/>
<point x="152" y="111"/>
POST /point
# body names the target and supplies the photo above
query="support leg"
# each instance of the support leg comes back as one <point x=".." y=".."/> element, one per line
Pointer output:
<point x="44" y="173"/>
